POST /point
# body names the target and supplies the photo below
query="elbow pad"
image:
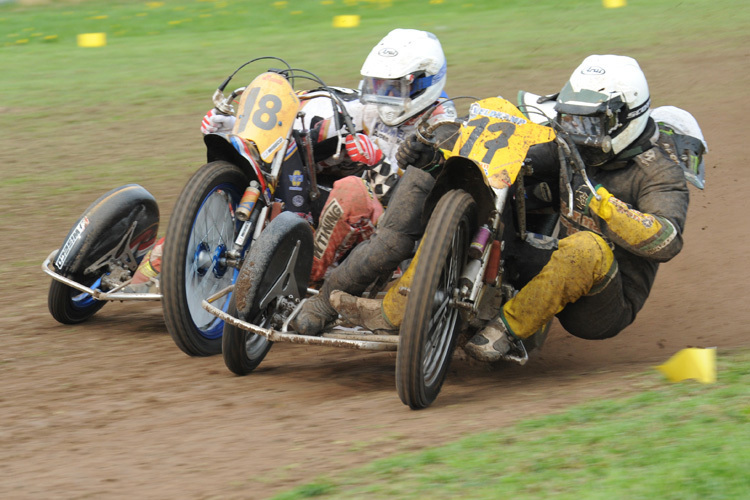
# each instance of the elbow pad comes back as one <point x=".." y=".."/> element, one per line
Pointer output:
<point x="644" y="232"/>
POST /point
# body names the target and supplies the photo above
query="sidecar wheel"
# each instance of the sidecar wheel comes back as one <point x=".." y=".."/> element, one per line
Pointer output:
<point x="69" y="306"/>
<point x="431" y="326"/>
<point x="116" y="230"/>
<point x="273" y="278"/>
<point x="200" y="232"/>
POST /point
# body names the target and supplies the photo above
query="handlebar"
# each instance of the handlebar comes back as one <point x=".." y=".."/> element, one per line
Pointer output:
<point x="224" y="104"/>
<point x="426" y="133"/>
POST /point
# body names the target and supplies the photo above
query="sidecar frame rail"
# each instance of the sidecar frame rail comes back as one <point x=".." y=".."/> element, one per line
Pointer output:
<point x="95" y="294"/>
<point x="337" y="336"/>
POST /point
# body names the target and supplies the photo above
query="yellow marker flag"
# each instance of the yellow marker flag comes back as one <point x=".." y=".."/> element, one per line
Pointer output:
<point x="345" y="21"/>
<point x="92" y="39"/>
<point x="691" y="363"/>
<point x="613" y="4"/>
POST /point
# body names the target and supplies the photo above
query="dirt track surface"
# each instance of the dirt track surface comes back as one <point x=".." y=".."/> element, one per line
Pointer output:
<point x="112" y="409"/>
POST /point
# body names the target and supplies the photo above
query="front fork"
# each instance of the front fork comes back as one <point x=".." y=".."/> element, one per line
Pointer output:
<point x="250" y="226"/>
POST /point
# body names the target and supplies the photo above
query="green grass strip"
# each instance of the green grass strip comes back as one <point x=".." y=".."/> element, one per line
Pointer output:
<point x="671" y="441"/>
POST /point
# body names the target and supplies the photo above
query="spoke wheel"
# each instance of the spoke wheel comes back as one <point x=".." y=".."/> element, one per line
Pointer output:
<point x="431" y="325"/>
<point x="272" y="280"/>
<point x="201" y="230"/>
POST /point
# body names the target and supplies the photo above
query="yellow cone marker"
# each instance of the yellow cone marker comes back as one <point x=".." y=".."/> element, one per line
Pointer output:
<point x="345" y="21"/>
<point x="92" y="39"/>
<point x="614" y="4"/>
<point x="691" y="363"/>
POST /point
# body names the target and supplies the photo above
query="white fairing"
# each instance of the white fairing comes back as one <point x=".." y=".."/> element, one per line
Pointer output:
<point x="680" y="120"/>
<point x="538" y="112"/>
<point x="399" y="54"/>
<point x="615" y="76"/>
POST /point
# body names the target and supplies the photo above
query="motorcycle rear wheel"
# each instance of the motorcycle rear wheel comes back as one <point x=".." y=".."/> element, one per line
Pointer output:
<point x="277" y="267"/>
<point x="431" y="326"/>
<point x="200" y="232"/>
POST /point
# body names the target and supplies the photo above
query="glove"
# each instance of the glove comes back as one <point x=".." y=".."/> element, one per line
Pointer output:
<point x="586" y="202"/>
<point x="217" y="123"/>
<point x="417" y="154"/>
<point x="603" y="208"/>
<point x="372" y="155"/>
<point x="582" y="195"/>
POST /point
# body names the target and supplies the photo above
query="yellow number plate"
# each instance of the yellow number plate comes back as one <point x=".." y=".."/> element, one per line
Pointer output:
<point x="497" y="137"/>
<point x="267" y="110"/>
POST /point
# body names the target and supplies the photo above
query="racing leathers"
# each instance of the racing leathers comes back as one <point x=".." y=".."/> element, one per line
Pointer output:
<point x="609" y="249"/>
<point x="393" y="241"/>
<point x="600" y="274"/>
<point x="356" y="200"/>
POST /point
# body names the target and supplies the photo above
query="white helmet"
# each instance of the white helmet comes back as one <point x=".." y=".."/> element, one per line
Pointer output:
<point x="404" y="74"/>
<point x="605" y="104"/>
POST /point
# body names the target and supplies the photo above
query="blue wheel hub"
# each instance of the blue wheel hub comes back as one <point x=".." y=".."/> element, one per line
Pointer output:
<point x="202" y="259"/>
<point x="219" y="261"/>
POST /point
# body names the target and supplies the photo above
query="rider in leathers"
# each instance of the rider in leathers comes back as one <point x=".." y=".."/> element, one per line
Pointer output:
<point x="403" y="77"/>
<point x="405" y="60"/>
<point x="612" y="241"/>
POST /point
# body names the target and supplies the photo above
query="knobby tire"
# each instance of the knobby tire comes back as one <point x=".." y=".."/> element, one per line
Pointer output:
<point x="420" y="372"/>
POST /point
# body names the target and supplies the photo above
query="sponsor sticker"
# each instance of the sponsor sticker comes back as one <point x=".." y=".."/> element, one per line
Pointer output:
<point x="593" y="70"/>
<point x="71" y="241"/>
<point x="328" y="220"/>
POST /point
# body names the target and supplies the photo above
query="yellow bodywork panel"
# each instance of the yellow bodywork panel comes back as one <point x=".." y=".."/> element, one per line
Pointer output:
<point x="497" y="136"/>
<point x="267" y="110"/>
<point x="394" y="302"/>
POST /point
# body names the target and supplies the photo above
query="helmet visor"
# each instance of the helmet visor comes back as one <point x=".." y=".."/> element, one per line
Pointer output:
<point x="390" y="91"/>
<point x="583" y="125"/>
<point x="589" y="130"/>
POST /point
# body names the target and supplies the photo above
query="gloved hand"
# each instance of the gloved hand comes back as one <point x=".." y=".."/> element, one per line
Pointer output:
<point x="605" y="206"/>
<point x="417" y="154"/>
<point x="372" y="155"/>
<point x="585" y="201"/>
<point x="217" y="123"/>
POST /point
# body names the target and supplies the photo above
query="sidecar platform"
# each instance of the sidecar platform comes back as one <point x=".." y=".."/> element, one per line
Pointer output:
<point x="114" y="294"/>
<point x="338" y="335"/>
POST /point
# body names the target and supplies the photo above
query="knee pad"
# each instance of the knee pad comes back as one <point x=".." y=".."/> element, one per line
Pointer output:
<point x="589" y="251"/>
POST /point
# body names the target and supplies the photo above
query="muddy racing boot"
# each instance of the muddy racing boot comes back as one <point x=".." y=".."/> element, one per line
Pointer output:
<point x="495" y="342"/>
<point x="315" y="314"/>
<point x="360" y="311"/>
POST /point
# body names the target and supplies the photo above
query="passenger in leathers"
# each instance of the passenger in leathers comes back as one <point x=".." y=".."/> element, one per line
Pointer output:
<point x="613" y="240"/>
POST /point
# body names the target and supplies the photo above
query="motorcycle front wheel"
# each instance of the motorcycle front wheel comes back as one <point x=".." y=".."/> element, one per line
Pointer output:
<point x="201" y="231"/>
<point x="431" y="325"/>
<point x="271" y="282"/>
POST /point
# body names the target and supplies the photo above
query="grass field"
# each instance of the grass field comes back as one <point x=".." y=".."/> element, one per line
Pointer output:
<point x="78" y="121"/>
<point x="673" y="442"/>
<point x="163" y="60"/>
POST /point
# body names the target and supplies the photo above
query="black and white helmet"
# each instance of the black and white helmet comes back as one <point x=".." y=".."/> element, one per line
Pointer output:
<point x="605" y="104"/>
